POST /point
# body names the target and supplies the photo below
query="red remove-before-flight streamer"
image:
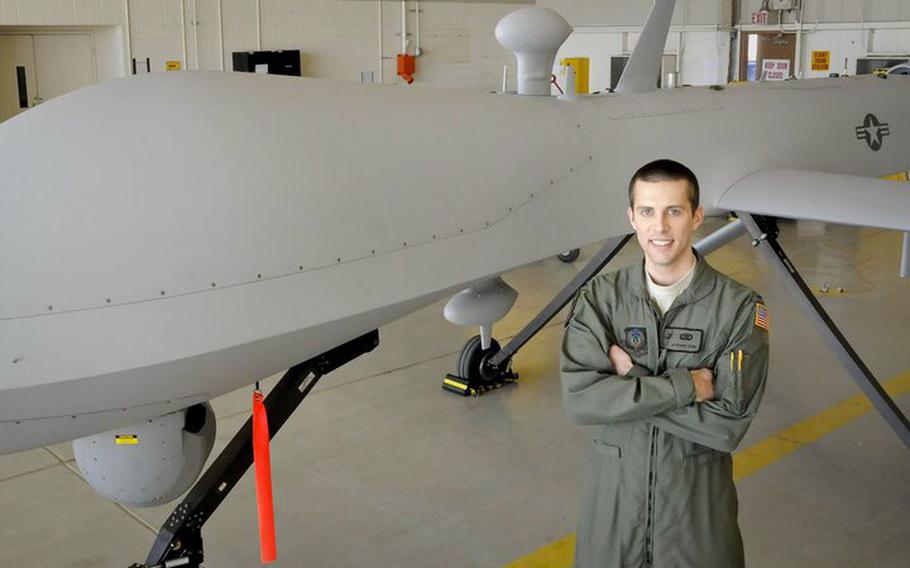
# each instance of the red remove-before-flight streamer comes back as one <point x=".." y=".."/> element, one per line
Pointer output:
<point x="262" y="464"/>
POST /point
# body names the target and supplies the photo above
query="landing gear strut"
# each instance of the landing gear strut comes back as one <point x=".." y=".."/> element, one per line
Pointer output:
<point x="610" y="249"/>
<point x="480" y="369"/>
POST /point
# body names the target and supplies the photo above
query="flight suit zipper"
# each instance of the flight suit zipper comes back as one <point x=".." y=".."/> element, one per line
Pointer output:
<point x="652" y="482"/>
<point x="652" y="454"/>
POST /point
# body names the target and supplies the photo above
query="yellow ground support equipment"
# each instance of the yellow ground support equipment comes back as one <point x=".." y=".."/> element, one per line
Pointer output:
<point x="582" y="66"/>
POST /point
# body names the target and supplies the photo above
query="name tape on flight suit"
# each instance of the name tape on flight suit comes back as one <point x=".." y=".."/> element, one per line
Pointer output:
<point x="683" y="339"/>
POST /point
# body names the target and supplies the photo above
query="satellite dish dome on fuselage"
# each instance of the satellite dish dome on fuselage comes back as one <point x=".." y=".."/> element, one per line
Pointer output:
<point x="535" y="35"/>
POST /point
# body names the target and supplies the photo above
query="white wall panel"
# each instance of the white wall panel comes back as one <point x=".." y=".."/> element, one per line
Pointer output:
<point x="337" y="38"/>
<point x="599" y="47"/>
<point x="888" y="10"/>
<point x="705" y="58"/>
<point x="839" y="11"/>
<point x="635" y="12"/>
<point x="704" y="53"/>
<point x="109" y="55"/>
<point x="841" y="43"/>
<point x="87" y="12"/>
<point x="890" y="41"/>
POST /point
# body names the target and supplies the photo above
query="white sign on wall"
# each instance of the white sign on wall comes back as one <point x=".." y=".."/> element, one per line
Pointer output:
<point x="775" y="69"/>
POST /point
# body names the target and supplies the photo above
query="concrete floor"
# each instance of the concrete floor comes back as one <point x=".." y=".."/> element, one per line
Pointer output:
<point x="380" y="467"/>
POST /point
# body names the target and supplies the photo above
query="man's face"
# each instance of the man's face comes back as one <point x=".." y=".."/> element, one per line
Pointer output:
<point x="664" y="221"/>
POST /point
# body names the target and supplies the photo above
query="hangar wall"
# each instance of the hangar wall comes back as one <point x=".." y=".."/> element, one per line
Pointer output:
<point x="701" y="38"/>
<point x="848" y="29"/>
<point x="341" y="38"/>
<point x="702" y="51"/>
<point x="836" y="11"/>
<point x="337" y="38"/>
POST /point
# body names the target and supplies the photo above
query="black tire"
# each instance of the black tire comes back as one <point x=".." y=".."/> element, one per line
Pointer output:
<point x="471" y="357"/>
<point x="569" y="255"/>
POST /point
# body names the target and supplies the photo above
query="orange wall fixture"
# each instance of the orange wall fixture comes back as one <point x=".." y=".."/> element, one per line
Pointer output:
<point x="406" y="67"/>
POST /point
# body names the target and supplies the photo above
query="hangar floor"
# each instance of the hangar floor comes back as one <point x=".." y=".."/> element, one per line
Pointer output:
<point x="380" y="467"/>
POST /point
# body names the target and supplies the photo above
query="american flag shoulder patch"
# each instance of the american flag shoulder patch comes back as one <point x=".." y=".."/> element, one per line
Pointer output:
<point x="761" y="316"/>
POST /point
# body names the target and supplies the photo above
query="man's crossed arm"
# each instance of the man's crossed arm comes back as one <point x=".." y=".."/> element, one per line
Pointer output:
<point x="702" y="379"/>
<point x="601" y="384"/>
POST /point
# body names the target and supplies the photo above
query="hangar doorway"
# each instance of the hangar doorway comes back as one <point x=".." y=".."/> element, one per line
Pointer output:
<point x="756" y="47"/>
<point x="35" y="68"/>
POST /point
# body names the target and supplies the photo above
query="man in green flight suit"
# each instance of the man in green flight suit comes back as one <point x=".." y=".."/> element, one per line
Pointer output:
<point x="669" y="359"/>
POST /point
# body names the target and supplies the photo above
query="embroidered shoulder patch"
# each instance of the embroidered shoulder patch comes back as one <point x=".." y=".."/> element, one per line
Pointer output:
<point x="761" y="316"/>
<point x="635" y="340"/>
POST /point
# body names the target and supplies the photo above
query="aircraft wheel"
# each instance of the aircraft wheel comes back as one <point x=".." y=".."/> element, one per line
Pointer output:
<point x="471" y="362"/>
<point x="569" y="255"/>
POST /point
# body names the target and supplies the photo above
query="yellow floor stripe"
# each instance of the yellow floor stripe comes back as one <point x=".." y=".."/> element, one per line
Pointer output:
<point x="559" y="554"/>
<point x="768" y="451"/>
<point x="900" y="176"/>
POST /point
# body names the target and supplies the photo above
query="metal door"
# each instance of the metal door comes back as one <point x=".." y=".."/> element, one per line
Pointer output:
<point x="37" y="68"/>
<point x="64" y="63"/>
<point x="18" y="81"/>
<point x="766" y="45"/>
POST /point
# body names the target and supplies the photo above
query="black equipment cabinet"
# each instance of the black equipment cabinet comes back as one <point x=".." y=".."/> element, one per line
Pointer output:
<point x="284" y="62"/>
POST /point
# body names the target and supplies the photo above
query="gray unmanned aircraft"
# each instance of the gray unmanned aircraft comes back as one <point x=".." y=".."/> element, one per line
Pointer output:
<point x="172" y="237"/>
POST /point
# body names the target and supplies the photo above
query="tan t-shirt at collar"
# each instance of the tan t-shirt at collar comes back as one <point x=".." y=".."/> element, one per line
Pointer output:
<point x="664" y="296"/>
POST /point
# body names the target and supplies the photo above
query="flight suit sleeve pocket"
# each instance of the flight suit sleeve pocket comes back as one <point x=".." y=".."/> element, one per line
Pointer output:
<point x="604" y="448"/>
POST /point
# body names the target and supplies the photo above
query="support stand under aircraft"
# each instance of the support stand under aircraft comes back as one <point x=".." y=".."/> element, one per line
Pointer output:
<point x="764" y="234"/>
<point x="179" y="541"/>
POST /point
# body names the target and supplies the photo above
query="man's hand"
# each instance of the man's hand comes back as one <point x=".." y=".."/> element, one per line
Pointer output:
<point x="703" y="379"/>
<point x="620" y="359"/>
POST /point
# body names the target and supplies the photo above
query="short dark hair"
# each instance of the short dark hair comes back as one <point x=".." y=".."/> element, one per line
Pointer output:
<point x="665" y="170"/>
